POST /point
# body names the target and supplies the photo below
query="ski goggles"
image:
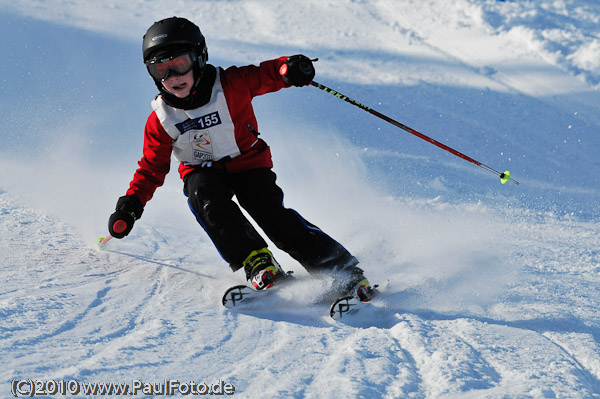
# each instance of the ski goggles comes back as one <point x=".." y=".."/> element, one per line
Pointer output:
<point x="162" y="68"/>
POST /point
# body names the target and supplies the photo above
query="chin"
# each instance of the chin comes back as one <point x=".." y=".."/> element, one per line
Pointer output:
<point x="181" y="94"/>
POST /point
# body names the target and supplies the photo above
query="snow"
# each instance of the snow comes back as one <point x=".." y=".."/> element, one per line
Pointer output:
<point x="491" y="289"/>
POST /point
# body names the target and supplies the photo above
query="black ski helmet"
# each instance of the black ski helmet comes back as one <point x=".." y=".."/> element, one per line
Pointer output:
<point x="174" y="34"/>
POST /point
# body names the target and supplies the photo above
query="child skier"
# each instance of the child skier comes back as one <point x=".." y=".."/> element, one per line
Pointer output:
<point x="204" y="116"/>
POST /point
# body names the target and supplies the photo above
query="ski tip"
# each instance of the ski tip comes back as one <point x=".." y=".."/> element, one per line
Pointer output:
<point x="236" y="295"/>
<point x="342" y="306"/>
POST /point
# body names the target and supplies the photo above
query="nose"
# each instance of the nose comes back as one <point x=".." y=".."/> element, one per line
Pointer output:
<point x="168" y="76"/>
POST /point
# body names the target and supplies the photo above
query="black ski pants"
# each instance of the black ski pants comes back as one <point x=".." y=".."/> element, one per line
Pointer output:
<point x="210" y="192"/>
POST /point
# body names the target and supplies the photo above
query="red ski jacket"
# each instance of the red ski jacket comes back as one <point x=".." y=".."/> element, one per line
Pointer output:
<point x="240" y="85"/>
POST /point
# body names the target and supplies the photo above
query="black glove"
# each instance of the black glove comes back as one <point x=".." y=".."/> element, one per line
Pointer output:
<point x="298" y="70"/>
<point x="129" y="208"/>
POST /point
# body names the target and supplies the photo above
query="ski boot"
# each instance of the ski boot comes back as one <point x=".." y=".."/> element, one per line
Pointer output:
<point x="353" y="282"/>
<point x="262" y="270"/>
<point x="363" y="290"/>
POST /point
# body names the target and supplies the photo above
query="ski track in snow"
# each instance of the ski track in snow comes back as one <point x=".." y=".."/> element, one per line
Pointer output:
<point x="487" y="296"/>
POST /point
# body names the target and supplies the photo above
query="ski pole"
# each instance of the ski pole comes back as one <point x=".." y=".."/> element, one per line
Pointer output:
<point x="504" y="177"/>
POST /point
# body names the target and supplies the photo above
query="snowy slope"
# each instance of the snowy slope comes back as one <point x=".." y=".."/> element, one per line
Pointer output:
<point x="492" y="288"/>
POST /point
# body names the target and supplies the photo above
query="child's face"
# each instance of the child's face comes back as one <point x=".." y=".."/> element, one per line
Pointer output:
<point x="180" y="86"/>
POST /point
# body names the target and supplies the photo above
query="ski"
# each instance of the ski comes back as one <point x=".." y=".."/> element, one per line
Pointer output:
<point x="239" y="295"/>
<point x="345" y="306"/>
<point x="242" y="294"/>
<point x="349" y="304"/>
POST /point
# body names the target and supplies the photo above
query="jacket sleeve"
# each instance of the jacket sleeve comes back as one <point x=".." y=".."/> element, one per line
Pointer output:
<point x="258" y="80"/>
<point x="155" y="162"/>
